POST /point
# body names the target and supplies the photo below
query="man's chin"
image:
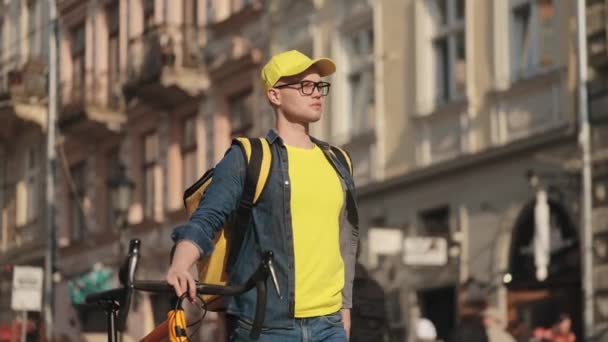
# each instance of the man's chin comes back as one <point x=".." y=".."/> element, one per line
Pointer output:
<point x="315" y="117"/>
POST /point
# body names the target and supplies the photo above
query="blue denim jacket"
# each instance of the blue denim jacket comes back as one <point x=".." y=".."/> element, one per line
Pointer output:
<point x="271" y="219"/>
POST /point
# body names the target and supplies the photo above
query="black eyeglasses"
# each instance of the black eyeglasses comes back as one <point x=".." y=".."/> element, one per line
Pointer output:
<point x="308" y="87"/>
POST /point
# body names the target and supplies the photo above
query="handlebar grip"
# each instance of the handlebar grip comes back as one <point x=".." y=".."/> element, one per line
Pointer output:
<point x="260" y="309"/>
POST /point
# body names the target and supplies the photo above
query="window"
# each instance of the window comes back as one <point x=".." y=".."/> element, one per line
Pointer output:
<point x="32" y="177"/>
<point x="113" y="166"/>
<point x="113" y="13"/>
<point x="240" y="107"/>
<point x="32" y="20"/>
<point x="2" y="49"/>
<point x="77" y="193"/>
<point x="151" y="156"/>
<point x="449" y="49"/>
<point x="210" y="12"/>
<point x="361" y="80"/>
<point x="148" y="15"/>
<point x="189" y="167"/>
<point x="533" y="37"/>
<point x="435" y="222"/>
<point x="191" y="44"/>
<point x="15" y="31"/>
<point x="78" y="61"/>
<point x="191" y="13"/>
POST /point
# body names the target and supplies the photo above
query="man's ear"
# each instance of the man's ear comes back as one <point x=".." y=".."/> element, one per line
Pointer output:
<point x="274" y="96"/>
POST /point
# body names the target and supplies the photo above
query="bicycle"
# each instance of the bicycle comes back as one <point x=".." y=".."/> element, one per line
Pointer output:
<point x="116" y="302"/>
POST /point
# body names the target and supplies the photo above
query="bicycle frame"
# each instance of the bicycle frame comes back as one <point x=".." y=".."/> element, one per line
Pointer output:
<point x="111" y="300"/>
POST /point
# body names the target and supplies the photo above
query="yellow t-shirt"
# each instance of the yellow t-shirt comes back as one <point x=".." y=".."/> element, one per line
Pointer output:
<point x="316" y="200"/>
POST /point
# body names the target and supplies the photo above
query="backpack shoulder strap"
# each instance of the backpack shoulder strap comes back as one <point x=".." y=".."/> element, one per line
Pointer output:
<point x="259" y="158"/>
<point x="343" y="157"/>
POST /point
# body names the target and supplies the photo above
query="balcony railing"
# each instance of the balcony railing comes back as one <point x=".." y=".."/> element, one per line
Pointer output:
<point x="148" y="54"/>
<point x="95" y="89"/>
<point x="597" y="32"/>
<point x="192" y="55"/>
<point x="28" y="82"/>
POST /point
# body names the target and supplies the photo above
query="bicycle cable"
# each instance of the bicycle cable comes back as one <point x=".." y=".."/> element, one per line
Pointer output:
<point x="199" y="322"/>
<point x="181" y="324"/>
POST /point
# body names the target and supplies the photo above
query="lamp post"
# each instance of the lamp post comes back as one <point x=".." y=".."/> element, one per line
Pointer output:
<point x="121" y="191"/>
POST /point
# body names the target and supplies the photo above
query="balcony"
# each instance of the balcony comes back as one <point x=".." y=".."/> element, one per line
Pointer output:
<point x="165" y="67"/>
<point x="597" y="33"/>
<point x="232" y="43"/>
<point x="598" y="100"/>
<point x="534" y="106"/>
<point x="23" y="102"/>
<point x="90" y="107"/>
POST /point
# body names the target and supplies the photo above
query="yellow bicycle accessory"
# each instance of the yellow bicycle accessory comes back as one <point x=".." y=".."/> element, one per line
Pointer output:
<point x="177" y="325"/>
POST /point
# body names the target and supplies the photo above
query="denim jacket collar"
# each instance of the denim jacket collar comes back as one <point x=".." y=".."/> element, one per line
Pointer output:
<point x="273" y="136"/>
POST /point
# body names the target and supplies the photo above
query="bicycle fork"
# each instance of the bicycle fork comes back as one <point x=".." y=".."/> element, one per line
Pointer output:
<point x="111" y="308"/>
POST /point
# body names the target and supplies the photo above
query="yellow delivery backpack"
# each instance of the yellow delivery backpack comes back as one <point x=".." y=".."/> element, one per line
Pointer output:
<point x="213" y="268"/>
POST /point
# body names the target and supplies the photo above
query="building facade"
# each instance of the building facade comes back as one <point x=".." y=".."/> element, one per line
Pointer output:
<point x="476" y="114"/>
<point x="23" y="111"/>
<point x="457" y="115"/>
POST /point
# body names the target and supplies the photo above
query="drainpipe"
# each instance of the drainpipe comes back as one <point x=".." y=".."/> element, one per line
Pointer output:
<point x="50" y="259"/>
<point x="586" y="178"/>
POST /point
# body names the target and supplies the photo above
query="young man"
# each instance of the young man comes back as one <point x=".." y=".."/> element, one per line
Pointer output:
<point x="306" y="216"/>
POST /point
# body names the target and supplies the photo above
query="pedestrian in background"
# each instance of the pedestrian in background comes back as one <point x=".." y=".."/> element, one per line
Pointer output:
<point x="471" y="327"/>
<point x="425" y="331"/>
<point x="495" y="326"/>
<point x="561" y="331"/>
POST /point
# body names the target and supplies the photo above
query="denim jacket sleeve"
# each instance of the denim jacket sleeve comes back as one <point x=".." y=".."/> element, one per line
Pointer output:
<point x="220" y="200"/>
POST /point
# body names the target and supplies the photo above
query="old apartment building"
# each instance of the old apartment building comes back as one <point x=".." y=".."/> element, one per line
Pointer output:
<point x="456" y="114"/>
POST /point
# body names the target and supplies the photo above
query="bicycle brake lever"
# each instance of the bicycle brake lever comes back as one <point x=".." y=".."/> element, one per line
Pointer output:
<point x="275" y="281"/>
<point x="273" y="274"/>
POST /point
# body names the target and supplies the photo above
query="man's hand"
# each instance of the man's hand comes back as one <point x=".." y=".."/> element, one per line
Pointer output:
<point x="178" y="275"/>
<point x="346" y="320"/>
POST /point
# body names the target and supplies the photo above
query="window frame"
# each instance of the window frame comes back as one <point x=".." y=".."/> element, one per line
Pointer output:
<point x="535" y="40"/>
<point x="449" y="32"/>
<point x="148" y="13"/>
<point x="149" y="200"/>
<point x="210" y="12"/>
<point x="361" y="65"/>
<point x="78" y="53"/>
<point x="112" y="166"/>
<point x="33" y="14"/>
<point x="32" y="174"/>
<point x="113" y="21"/>
<point x="245" y="117"/>
<point x="436" y="221"/>
<point x="189" y="149"/>
<point x="78" y="223"/>
<point x="3" y="84"/>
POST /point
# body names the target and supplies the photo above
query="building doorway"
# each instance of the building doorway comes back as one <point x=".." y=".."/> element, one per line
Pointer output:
<point x="533" y="303"/>
<point x="439" y="306"/>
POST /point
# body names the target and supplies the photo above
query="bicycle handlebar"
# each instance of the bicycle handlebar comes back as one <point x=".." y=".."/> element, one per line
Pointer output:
<point x="127" y="278"/>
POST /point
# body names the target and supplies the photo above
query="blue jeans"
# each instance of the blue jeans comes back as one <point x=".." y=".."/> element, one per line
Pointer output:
<point x="327" y="328"/>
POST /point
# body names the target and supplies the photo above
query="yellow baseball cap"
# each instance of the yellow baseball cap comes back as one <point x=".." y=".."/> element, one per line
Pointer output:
<point x="291" y="63"/>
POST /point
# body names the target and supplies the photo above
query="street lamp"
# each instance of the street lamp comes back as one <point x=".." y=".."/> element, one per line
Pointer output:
<point x="121" y="191"/>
